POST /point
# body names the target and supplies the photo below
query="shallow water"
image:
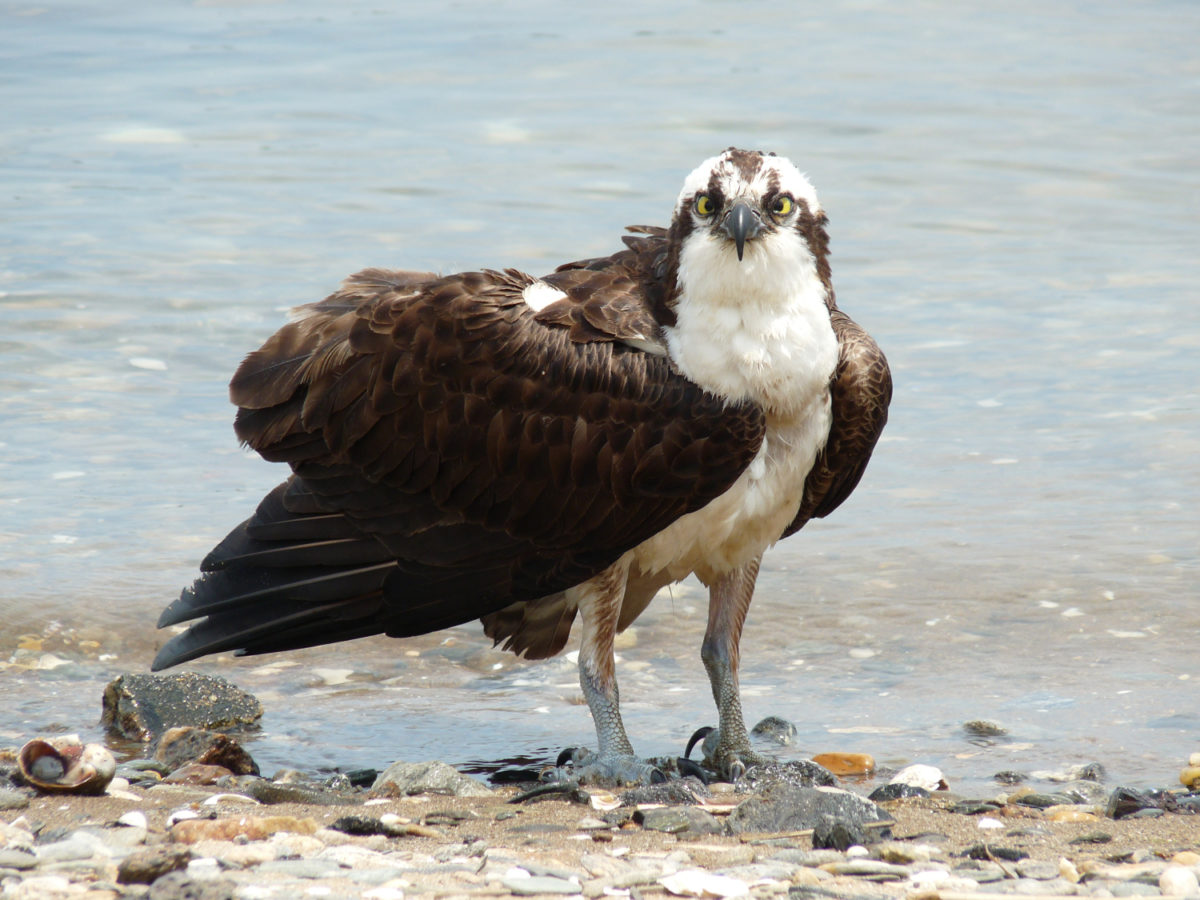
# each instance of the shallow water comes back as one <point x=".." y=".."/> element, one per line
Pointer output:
<point x="1012" y="197"/>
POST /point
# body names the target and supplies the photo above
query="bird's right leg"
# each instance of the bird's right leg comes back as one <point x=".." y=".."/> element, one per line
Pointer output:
<point x="599" y="600"/>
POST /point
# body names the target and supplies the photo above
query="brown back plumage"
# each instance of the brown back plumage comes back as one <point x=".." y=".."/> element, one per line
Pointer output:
<point x="455" y="452"/>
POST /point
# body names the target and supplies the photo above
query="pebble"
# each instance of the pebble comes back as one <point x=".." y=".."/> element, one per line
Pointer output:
<point x="246" y="856"/>
<point x="1179" y="881"/>
<point x="843" y="764"/>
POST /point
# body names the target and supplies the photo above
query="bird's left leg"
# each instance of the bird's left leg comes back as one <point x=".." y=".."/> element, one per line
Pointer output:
<point x="728" y="602"/>
<point x="599" y="599"/>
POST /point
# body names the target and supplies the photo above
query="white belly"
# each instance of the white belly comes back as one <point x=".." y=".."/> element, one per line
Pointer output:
<point x="748" y="518"/>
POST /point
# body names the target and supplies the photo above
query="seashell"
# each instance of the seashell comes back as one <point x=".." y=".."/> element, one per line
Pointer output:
<point x="66" y="765"/>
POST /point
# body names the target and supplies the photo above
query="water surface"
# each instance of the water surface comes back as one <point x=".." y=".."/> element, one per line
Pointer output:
<point x="1012" y="196"/>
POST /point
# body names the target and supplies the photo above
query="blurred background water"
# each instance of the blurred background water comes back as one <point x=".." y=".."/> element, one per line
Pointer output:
<point x="1013" y="201"/>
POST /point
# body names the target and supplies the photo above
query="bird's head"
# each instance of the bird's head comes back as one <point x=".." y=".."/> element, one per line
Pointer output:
<point x="746" y="216"/>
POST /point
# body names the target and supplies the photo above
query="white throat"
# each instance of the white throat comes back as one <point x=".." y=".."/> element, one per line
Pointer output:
<point x="757" y="329"/>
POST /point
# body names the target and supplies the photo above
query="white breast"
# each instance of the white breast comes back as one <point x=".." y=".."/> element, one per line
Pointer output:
<point x="757" y="330"/>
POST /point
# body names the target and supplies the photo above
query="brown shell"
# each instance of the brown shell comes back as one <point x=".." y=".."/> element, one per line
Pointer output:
<point x="66" y="765"/>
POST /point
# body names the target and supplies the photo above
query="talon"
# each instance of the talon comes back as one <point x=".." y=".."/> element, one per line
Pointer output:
<point x="691" y="767"/>
<point x="657" y="776"/>
<point x="569" y="755"/>
<point x="737" y="770"/>
<point x="701" y="734"/>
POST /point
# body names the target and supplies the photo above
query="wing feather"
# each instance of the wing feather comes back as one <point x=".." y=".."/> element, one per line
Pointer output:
<point x="860" y="393"/>
<point x="454" y="453"/>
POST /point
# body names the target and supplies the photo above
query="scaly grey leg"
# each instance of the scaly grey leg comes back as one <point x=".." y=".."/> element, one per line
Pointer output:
<point x="728" y="602"/>
<point x="599" y="602"/>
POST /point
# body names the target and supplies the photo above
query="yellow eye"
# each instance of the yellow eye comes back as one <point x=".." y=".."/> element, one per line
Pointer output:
<point x="704" y="205"/>
<point x="782" y="206"/>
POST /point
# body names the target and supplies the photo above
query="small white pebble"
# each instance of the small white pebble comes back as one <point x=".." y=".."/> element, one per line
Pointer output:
<point x="180" y="814"/>
<point x="857" y="851"/>
<point x="204" y="867"/>
<point x="1178" y="881"/>
<point x="133" y="819"/>
<point x="989" y="822"/>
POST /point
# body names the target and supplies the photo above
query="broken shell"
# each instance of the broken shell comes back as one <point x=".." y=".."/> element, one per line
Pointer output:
<point x="66" y="765"/>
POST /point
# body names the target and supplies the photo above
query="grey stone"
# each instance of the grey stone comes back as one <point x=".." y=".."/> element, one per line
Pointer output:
<point x="271" y="792"/>
<point x="428" y="778"/>
<point x="373" y="877"/>
<point x="181" y="886"/>
<point x="1058" y="887"/>
<point x="301" y="868"/>
<point x="141" y="707"/>
<point x="809" y="858"/>
<point x="785" y="807"/>
<point x="678" y="819"/>
<point x="1133" y="889"/>
<point x="868" y="868"/>
<point x="17" y="857"/>
<point x="10" y="799"/>
<point x="776" y="730"/>
<point x="77" y="846"/>
<point x="540" y="884"/>
<point x="1041" y="871"/>
<point x="147" y="866"/>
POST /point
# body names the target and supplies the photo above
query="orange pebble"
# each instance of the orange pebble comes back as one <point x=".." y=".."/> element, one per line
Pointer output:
<point x="846" y="763"/>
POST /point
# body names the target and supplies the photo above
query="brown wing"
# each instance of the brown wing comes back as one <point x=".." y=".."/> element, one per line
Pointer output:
<point x="861" y="391"/>
<point x="452" y="454"/>
<point x="611" y="298"/>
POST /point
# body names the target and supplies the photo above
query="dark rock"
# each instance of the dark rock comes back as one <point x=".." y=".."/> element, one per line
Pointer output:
<point x="1092" y="837"/>
<point x="361" y="777"/>
<point x="209" y="748"/>
<point x="838" y="835"/>
<point x="679" y="790"/>
<point x="981" y="728"/>
<point x="1043" y="801"/>
<point x="1125" y="801"/>
<point x="445" y="817"/>
<point x="797" y="773"/>
<point x="974" y="807"/>
<point x="359" y="825"/>
<point x="147" y="866"/>
<point x="785" y="807"/>
<point x="271" y="792"/>
<point x="778" y="731"/>
<point x="181" y="886"/>
<point x="1150" y="813"/>
<point x="1009" y="776"/>
<point x="405" y="779"/>
<point x="140" y="707"/>
<point x="887" y="792"/>
<point x="992" y="852"/>
<point x="678" y="819"/>
<point x="1091" y="772"/>
<point x="195" y="773"/>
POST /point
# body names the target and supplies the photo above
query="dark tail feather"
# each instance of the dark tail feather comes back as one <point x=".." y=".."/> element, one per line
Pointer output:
<point x="289" y="576"/>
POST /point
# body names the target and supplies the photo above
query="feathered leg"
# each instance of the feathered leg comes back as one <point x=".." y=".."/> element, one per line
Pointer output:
<point x="728" y="602"/>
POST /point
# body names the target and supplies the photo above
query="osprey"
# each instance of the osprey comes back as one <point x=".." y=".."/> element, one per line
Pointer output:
<point x="526" y="451"/>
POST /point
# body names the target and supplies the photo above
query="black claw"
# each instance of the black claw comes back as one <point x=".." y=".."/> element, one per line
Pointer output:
<point x="691" y="767"/>
<point x="568" y="755"/>
<point x="657" y="776"/>
<point x="701" y="734"/>
<point x="737" y="770"/>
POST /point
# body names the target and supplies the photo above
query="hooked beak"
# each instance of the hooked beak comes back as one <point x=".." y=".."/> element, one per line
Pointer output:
<point x="742" y="224"/>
